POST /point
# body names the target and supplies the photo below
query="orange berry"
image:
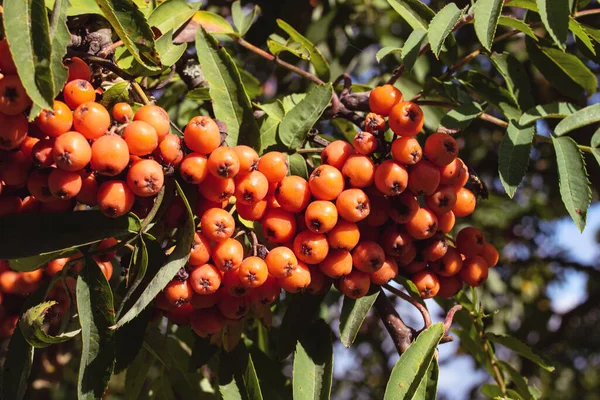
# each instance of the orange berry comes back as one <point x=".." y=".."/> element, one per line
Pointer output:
<point x="274" y="166"/>
<point x="115" y="198"/>
<point x="365" y="143"/>
<point x="88" y="194"/>
<point x="368" y="256"/>
<point x="145" y="178"/>
<point x="71" y="151"/>
<point x="64" y="184"/>
<point x="57" y="121"/>
<point x="267" y="293"/>
<point x="446" y="222"/>
<point x="450" y="263"/>
<point x="423" y="225"/>
<point x="406" y="150"/>
<point x="201" y="249"/>
<point x="321" y="216"/>
<point x="344" y="235"/>
<point x="110" y="155"/>
<point x="157" y="117"/>
<point x="336" y="153"/>
<point x="55" y="266"/>
<point x="141" y="138"/>
<point x="223" y="163"/>
<point x="353" y="205"/>
<point x="200" y="301"/>
<point x="38" y="187"/>
<point x="27" y="145"/>
<point x="423" y="178"/>
<point x="311" y="247"/>
<point x="395" y="241"/>
<point x="41" y="153"/>
<point x="279" y="226"/>
<point x="449" y="286"/>
<point x="281" y="262"/>
<point x="57" y="206"/>
<point x="7" y="65"/>
<point x="178" y="292"/>
<point x="216" y="189"/>
<point x="206" y="322"/>
<point x="408" y="257"/>
<point x="465" y="203"/>
<point x="122" y="112"/>
<point x="470" y="241"/>
<point x="434" y="248"/>
<point x="251" y="188"/>
<point x="205" y="279"/>
<point x="169" y="151"/>
<point x="326" y="182"/>
<point x="252" y="212"/>
<point x="248" y="159"/>
<point x="455" y="173"/>
<point x="233" y="307"/>
<point x="380" y="210"/>
<point x="406" y="119"/>
<point x="319" y="283"/>
<point x="403" y="208"/>
<point x="441" y="149"/>
<point x="13" y="97"/>
<point x="10" y="205"/>
<point x="193" y="168"/>
<point x="374" y="123"/>
<point x="228" y="255"/>
<point x="387" y="272"/>
<point x="383" y="98"/>
<point x="391" y="178"/>
<point x="337" y="263"/>
<point x="474" y="271"/>
<point x="91" y="120"/>
<point x="427" y="284"/>
<point x="180" y="315"/>
<point x="202" y="135"/>
<point x="13" y="132"/>
<point x="77" y="92"/>
<point x="217" y="225"/>
<point x="298" y="281"/>
<point x="253" y="272"/>
<point x="442" y="200"/>
<point x="78" y="69"/>
<point x="355" y="285"/>
<point x="490" y="254"/>
<point x="30" y="205"/>
<point x="358" y="171"/>
<point x="14" y="171"/>
<point x="103" y="245"/>
<point x="293" y="193"/>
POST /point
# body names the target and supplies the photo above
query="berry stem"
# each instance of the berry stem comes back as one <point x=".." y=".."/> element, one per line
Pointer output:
<point x="450" y="317"/>
<point x="140" y="92"/>
<point x="422" y="309"/>
<point x="310" y="150"/>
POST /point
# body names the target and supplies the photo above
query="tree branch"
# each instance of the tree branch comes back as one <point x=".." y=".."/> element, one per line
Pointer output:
<point x="422" y="309"/>
<point x="402" y="335"/>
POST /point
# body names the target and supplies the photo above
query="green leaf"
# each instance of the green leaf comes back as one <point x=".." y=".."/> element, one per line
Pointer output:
<point x="555" y="16"/>
<point x="295" y="48"/>
<point x="518" y="379"/>
<point x="32" y="263"/>
<point x="213" y="23"/>
<point x="414" y="12"/>
<point x="313" y="363"/>
<point x="520" y="348"/>
<point x="169" y="53"/>
<point x="96" y="316"/>
<point x="268" y="134"/>
<point x="513" y="155"/>
<point x="171" y="15"/>
<point x="300" y="312"/>
<point x="59" y="40"/>
<point x="237" y="375"/>
<point x="516" y="79"/>
<point x="132" y="28"/>
<point x="411" y="48"/>
<point x="316" y="58"/>
<point x="572" y="179"/>
<point x="31" y="326"/>
<point x="297" y="122"/>
<point x="427" y="390"/>
<point x="17" y="367"/>
<point x="230" y="101"/>
<point x="517" y="24"/>
<point x="27" y="32"/>
<point x="581" y="34"/>
<point x="586" y="116"/>
<point x="526" y="4"/>
<point x="412" y="366"/>
<point x="78" y="7"/>
<point x="552" y="110"/>
<point x="353" y="315"/>
<point x="493" y="392"/>
<point x="487" y="13"/>
<point x="201" y="93"/>
<point x="462" y="116"/>
<point x="490" y="91"/>
<point x="566" y="72"/>
<point x="176" y="260"/>
<point x="346" y="128"/>
<point x="251" y="84"/>
<point x="386" y="51"/>
<point x="27" y="235"/>
<point x="441" y="26"/>
<point x="298" y="165"/>
<point x="130" y="339"/>
<point x="596" y="139"/>
<point x="119" y="92"/>
<point x="242" y="21"/>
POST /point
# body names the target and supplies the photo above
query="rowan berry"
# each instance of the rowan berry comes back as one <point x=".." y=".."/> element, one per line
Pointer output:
<point x="64" y="184"/>
<point x="365" y="143"/>
<point x="30" y="205"/>
<point x="337" y="263"/>
<point x="293" y="194"/>
<point x="279" y="226"/>
<point x="181" y="315"/>
<point x="446" y="222"/>
<point x="368" y="256"/>
<point x="55" y="266"/>
<point x="107" y="268"/>
<point x="57" y="206"/>
<point x="14" y="171"/>
<point x="41" y="153"/>
<point x="233" y="307"/>
<point x="202" y="135"/>
<point x="406" y="150"/>
<point x="434" y="248"/>
<point x="253" y="272"/>
<point x="178" y="292"/>
<point x="403" y="208"/>
<point x="122" y="112"/>
<point x="427" y="284"/>
<point x="423" y="178"/>
<point x="355" y="285"/>
<point x="470" y="241"/>
<point x="104" y="245"/>
<point x="406" y="119"/>
<point x="298" y="281"/>
<point x="344" y="235"/>
<point x="449" y="286"/>
<point x="78" y="69"/>
<point x="169" y="151"/>
<point x="490" y="254"/>
<point x="205" y="279"/>
<point x="88" y="194"/>
<point x="91" y="120"/>
<point x="13" y="97"/>
<point x="374" y="123"/>
<point x="267" y="293"/>
<point x="10" y="205"/>
<point x="77" y="92"/>
<point x="336" y="153"/>
<point x="228" y="255"/>
<point x="353" y="205"/>
<point x="248" y="159"/>
<point x="158" y="118"/>
<point x="391" y="178"/>
<point x="13" y="132"/>
<point x="281" y="262"/>
<point x="8" y="325"/>
<point x="358" y="171"/>
<point x="217" y="225"/>
<point x="321" y="216"/>
<point x="450" y="264"/>
<point x="216" y="189"/>
<point x="141" y="138"/>
<point x="206" y="322"/>
<point x="441" y="149"/>
<point x="115" y="198"/>
<point x="7" y="65"/>
<point x="223" y="163"/>
<point x="380" y="210"/>
<point x="383" y="98"/>
<point x="57" y="121"/>
<point x="311" y="247"/>
<point x="395" y="241"/>
<point x="423" y="225"/>
<point x="474" y="271"/>
<point x="319" y="283"/>
<point x="455" y="173"/>
<point x="200" y="301"/>
<point x="442" y="200"/>
<point x="110" y="155"/>
<point x="252" y="212"/>
<point x="274" y="166"/>
<point x="38" y="187"/>
<point x="387" y="272"/>
<point x="465" y="203"/>
<point x="145" y="178"/>
<point x="326" y="182"/>
<point x="71" y="151"/>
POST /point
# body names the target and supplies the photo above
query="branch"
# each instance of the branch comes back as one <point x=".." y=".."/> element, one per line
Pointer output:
<point x="422" y="309"/>
<point x="402" y="335"/>
<point x="92" y="59"/>
<point x="450" y="317"/>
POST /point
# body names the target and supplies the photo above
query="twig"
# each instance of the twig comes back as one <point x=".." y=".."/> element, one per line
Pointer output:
<point x="586" y="12"/>
<point x="493" y="120"/>
<point x="166" y="81"/>
<point x="310" y="150"/>
<point x="402" y="335"/>
<point x="254" y="243"/>
<point x="450" y="317"/>
<point x="101" y="62"/>
<point x="140" y="92"/>
<point x="109" y="49"/>
<point x="422" y="309"/>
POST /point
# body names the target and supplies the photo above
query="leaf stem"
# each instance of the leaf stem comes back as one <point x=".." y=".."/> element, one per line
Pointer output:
<point x="422" y="309"/>
<point x="310" y="150"/>
<point x="140" y="92"/>
<point x="586" y="12"/>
